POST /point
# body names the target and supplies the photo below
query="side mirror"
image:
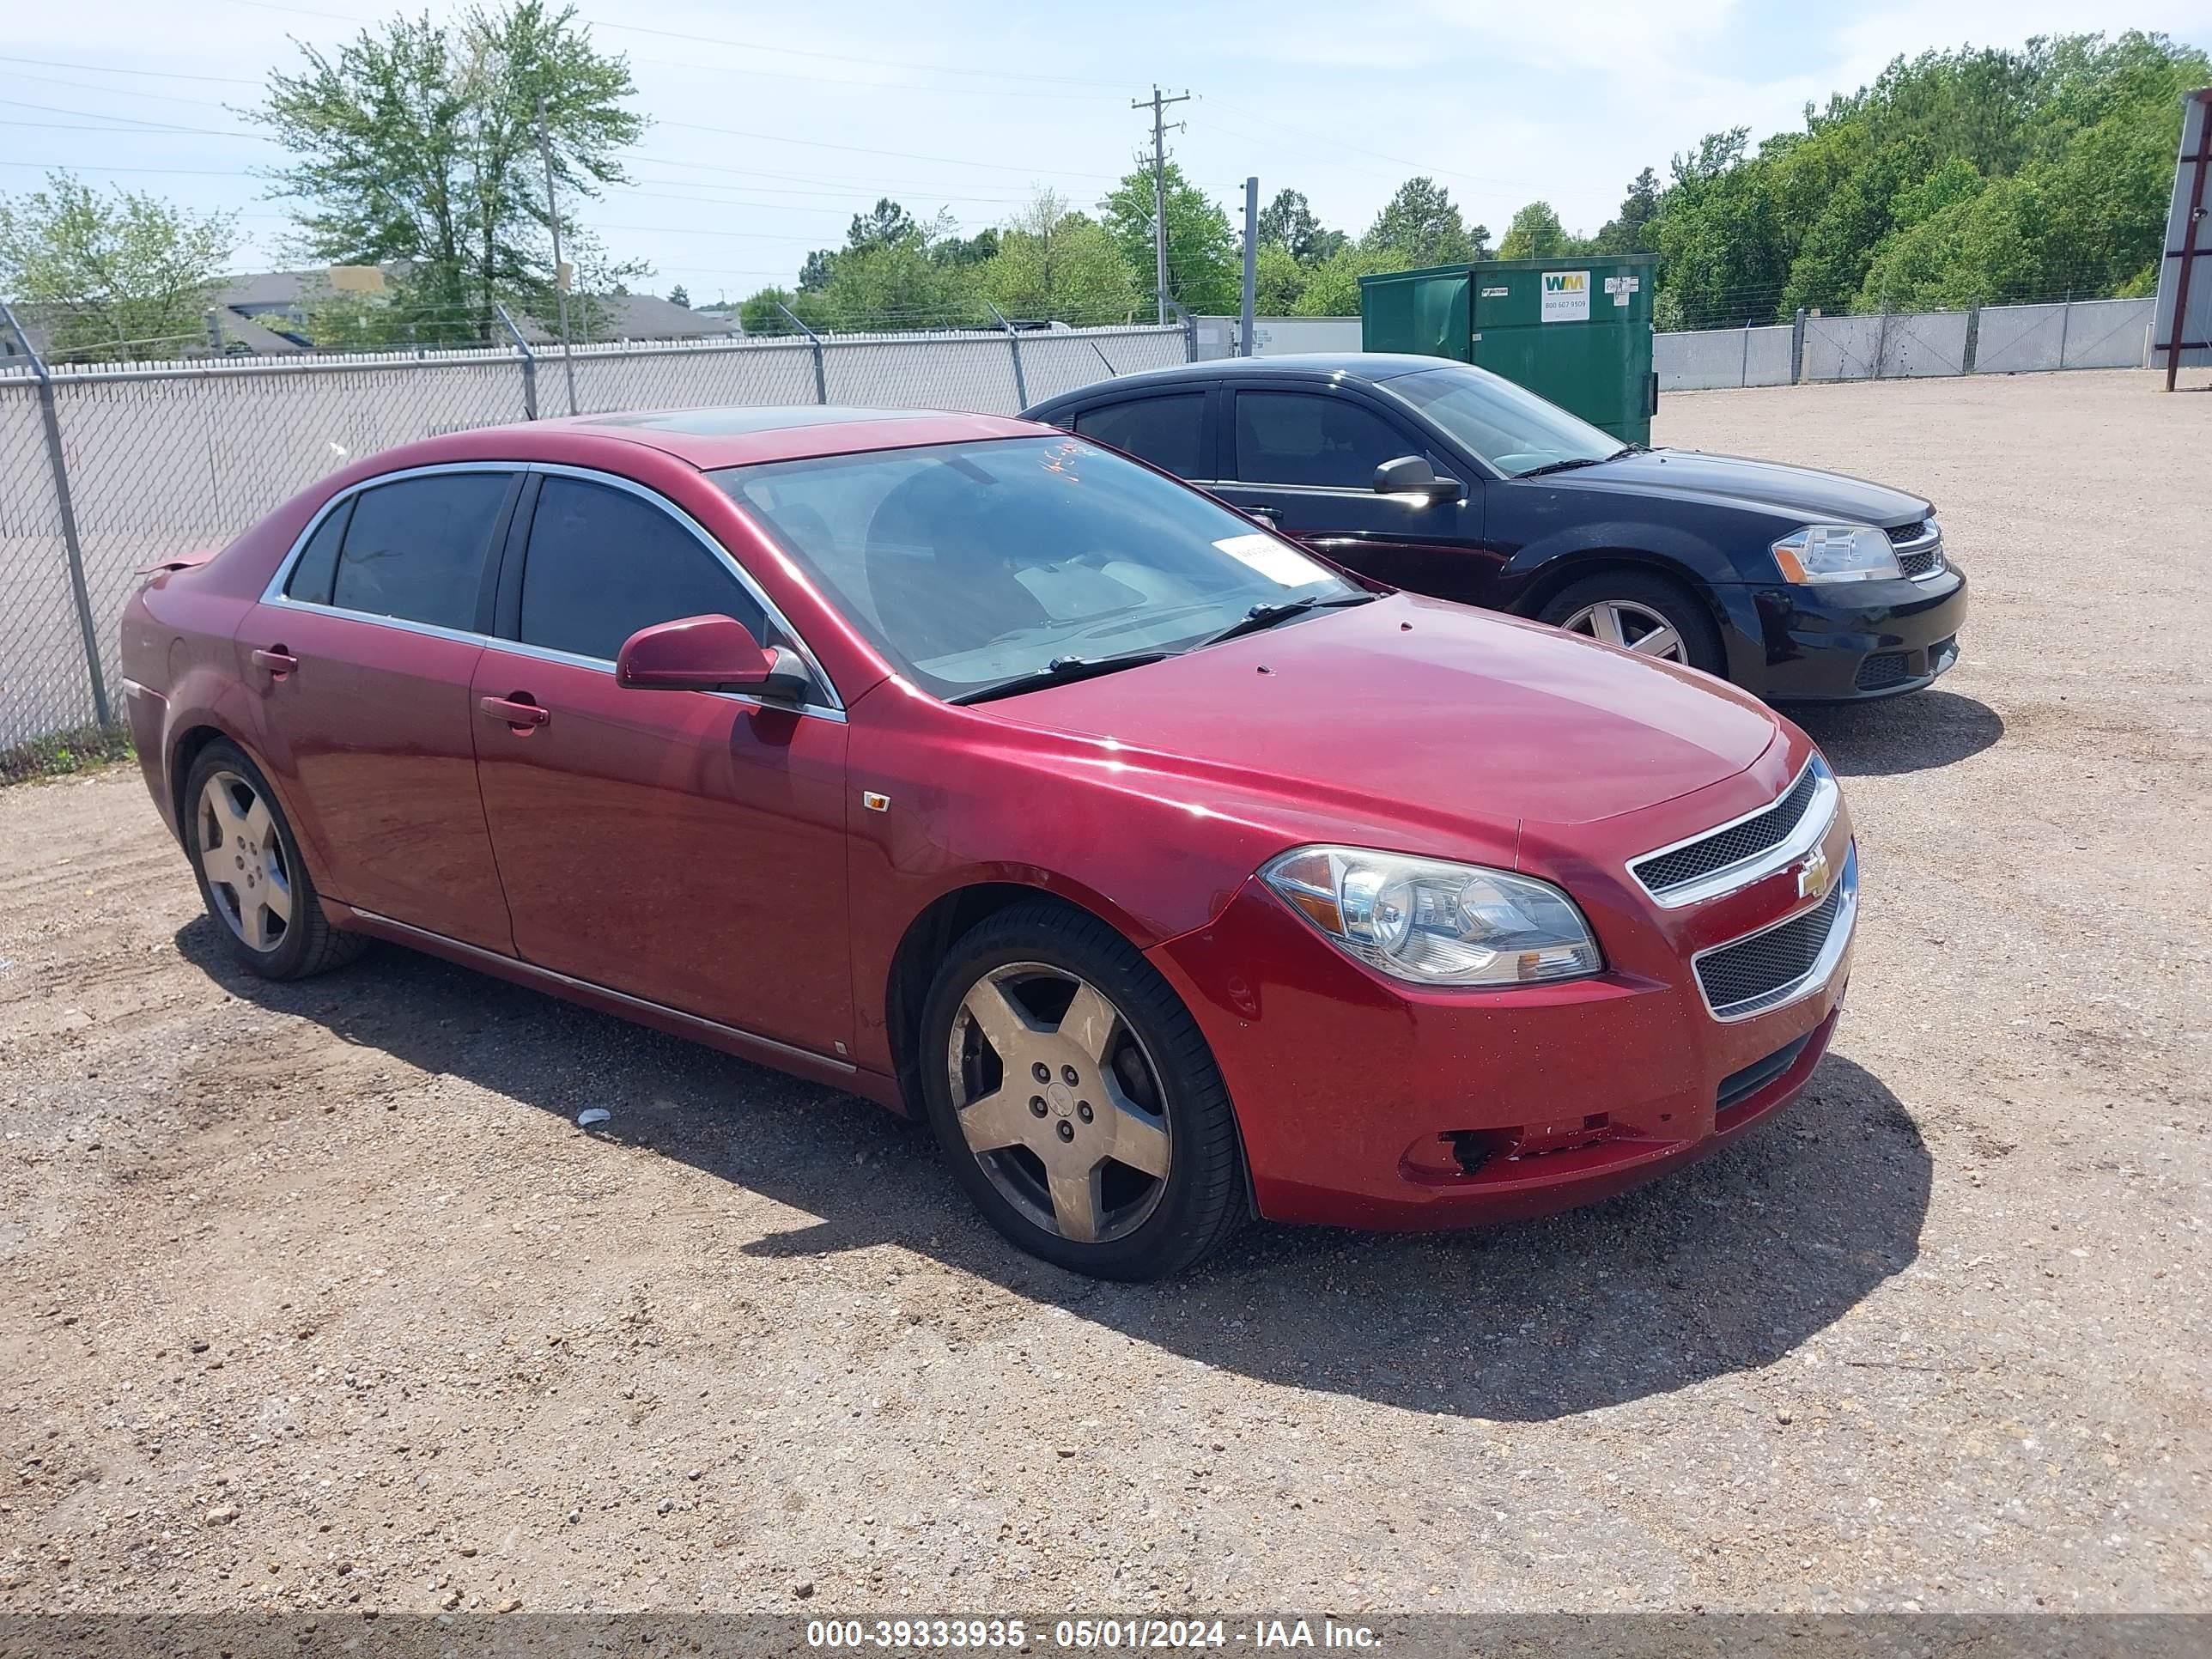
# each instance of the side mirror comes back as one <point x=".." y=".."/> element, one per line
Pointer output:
<point x="1410" y="476"/>
<point x="707" y="653"/>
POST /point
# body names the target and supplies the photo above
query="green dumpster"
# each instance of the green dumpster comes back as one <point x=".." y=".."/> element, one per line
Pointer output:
<point x="1578" y="331"/>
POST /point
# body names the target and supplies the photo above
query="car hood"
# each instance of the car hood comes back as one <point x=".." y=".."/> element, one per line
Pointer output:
<point x="1420" y="711"/>
<point x="1796" y="492"/>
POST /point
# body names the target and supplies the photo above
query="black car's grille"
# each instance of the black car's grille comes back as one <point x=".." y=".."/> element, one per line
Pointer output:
<point x="1740" y="1086"/>
<point x="1883" y="670"/>
<point x="1916" y="565"/>
<point x="1918" y="530"/>
<point x="1737" y="978"/>
<point x="1733" y="845"/>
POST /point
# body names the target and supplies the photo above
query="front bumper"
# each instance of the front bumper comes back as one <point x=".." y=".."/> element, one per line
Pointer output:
<point x="1844" y="642"/>
<point x="1367" y="1103"/>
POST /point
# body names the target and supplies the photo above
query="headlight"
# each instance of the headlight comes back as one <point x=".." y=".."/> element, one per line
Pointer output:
<point x="1837" y="553"/>
<point x="1435" y="923"/>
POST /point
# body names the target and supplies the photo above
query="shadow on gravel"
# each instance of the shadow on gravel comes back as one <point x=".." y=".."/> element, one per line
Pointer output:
<point x="1723" y="1267"/>
<point x="1900" y="734"/>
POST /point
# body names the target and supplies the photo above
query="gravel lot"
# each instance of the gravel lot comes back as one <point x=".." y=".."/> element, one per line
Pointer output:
<point x="313" y="1295"/>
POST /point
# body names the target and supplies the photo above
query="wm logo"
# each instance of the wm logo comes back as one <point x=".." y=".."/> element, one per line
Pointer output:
<point x="1565" y="281"/>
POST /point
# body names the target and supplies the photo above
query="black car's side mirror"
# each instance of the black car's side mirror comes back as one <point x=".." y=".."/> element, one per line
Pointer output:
<point x="1412" y="477"/>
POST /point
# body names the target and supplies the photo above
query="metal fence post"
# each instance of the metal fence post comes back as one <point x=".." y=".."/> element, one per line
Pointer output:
<point x="529" y="363"/>
<point x="1797" y="347"/>
<point x="1973" y="338"/>
<point x="820" y="379"/>
<point x="1014" y="345"/>
<point x="70" y="542"/>
<point x="1743" y="375"/>
<point x="2065" y="324"/>
<point x="1177" y="309"/>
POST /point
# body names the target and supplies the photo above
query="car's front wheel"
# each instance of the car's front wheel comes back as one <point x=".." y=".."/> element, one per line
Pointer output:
<point x="1650" y="614"/>
<point x="1077" y="1098"/>
<point x="251" y="877"/>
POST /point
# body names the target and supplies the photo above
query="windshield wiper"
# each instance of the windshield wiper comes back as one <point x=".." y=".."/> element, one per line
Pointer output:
<point x="1267" y="616"/>
<point x="1060" y="670"/>
<point x="1579" y="461"/>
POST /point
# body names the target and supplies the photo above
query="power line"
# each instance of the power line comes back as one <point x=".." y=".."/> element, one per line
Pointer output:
<point x="992" y="73"/>
<point x="159" y="74"/>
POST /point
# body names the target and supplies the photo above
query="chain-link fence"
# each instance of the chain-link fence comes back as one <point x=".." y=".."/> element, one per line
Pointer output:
<point x="1905" y="344"/>
<point x="156" y="460"/>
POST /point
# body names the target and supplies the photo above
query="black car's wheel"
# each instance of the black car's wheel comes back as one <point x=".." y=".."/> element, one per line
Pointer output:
<point x="1650" y="614"/>
<point x="252" y="879"/>
<point x="1076" y="1099"/>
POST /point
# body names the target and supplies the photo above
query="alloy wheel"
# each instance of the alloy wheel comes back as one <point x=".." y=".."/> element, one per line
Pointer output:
<point x="242" y="855"/>
<point x="1059" y="1100"/>
<point x="1624" y="621"/>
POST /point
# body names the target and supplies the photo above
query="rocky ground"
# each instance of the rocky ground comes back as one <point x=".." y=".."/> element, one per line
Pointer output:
<point x="314" y="1297"/>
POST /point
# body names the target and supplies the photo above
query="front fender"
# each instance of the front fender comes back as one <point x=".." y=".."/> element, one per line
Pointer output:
<point x="1538" y="564"/>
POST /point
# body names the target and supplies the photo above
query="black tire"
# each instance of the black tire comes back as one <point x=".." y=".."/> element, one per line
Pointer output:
<point x="306" y="943"/>
<point x="1661" y="595"/>
<point x="1201" y="1201"/>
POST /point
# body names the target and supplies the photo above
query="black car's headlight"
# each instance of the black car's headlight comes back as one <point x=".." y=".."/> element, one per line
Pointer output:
<point x="1436" y="923"/>
<point x="1837" y="553"/>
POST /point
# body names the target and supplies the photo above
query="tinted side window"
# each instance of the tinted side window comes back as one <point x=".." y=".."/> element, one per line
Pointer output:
<point x="1306" y="438"/>
<point x="1167" y="432"/>
<point x="604" y="563"/>
<point x="414" y="549"/>
<point x="317" y="567"/>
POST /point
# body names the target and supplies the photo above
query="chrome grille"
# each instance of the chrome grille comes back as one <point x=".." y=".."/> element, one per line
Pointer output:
<point x="1663" y="874"/>
<point x="1768" y="968"/>
<point x="1901" y="535"/>
<point x="1918" y="565"/>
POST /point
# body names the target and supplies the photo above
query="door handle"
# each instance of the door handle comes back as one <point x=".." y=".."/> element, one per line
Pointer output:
<point x="1271" y="515"/>
<point x="517" y="711"/>
<point x="276" y="661"/>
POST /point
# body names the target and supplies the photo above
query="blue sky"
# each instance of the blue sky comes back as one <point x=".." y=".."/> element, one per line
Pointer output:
<point x="773" y="124"/>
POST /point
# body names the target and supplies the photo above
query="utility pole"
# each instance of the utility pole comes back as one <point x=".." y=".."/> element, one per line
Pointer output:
<point x="1160" y="188"/>
<point x="560" y="270"/>
<point x="1251" y="265"/>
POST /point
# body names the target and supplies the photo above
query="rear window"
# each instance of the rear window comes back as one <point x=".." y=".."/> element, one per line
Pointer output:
<point x="414" y="549"/>
<point x="317" y="566"/>
<point x="1169" y="432"/>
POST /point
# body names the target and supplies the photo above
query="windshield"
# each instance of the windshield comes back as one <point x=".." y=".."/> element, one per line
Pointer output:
<point x="970" y="565"/>
<point x="1509" y="426"/>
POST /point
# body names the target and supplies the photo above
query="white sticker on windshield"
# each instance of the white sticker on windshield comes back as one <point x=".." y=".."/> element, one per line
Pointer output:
<point x="1277" y="563"/>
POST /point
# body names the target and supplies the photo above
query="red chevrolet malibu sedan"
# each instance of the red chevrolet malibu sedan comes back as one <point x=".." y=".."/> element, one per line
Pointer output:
<point x="1173" y="876"/>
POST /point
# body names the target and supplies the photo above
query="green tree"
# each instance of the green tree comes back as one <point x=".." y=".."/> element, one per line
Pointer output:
<point x="761" y="311"/>
<point x="966" y="249"/>
<point x="119" y="277"/>
<point x="1280" y="281"/>
<point x="1626" y="231"/>
<point x="1053" y="264"/>
<point x="1951" y="178"/>
<point x="1533" y="233"/>
<point x="1204" y="262"/>
<point x="1421" y="226"/>
<point x="679" y="295"/>
<point x="419" y="142"/>
<point x="1332" y="288"/>
<point x="1288" y="223"/>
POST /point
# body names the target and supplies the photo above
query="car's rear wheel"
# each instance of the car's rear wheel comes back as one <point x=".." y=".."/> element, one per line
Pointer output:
<point x="1076" y="1099"/>
<point x="1645" y="613"/>
<point x="252" y="879"/>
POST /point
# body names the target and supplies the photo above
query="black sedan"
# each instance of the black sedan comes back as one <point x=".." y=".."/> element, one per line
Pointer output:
<point x="1445" y="479"/>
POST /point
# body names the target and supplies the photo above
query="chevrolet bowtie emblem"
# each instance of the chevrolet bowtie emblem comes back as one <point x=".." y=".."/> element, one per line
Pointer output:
<point x="1814" y="877"/>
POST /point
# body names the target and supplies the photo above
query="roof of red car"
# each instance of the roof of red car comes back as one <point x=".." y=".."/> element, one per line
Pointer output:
<point x="739" y="436"/>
